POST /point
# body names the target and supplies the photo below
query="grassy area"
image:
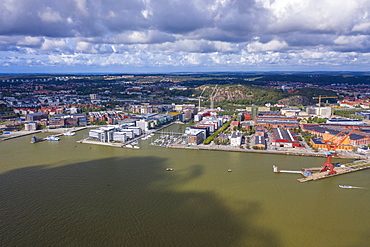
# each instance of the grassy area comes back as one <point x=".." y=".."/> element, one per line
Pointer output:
<point x="214" y="135"/>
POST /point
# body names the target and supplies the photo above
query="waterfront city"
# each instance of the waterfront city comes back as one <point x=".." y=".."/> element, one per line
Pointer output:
<point x="88" y="168"/>
<point x="223" y="123"/>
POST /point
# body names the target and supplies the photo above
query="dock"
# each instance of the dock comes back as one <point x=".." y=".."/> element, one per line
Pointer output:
<point x="276" y="170"/>
<point x="309" y="175"/>
<point x="340" y="171"/>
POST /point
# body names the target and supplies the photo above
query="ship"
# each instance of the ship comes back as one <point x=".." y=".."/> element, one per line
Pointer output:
<point x="52" y="138"/>
<point x="69" y="133"/>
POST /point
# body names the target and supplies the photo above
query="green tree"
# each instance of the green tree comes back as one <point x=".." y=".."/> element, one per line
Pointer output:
<point x="96" y="122"/>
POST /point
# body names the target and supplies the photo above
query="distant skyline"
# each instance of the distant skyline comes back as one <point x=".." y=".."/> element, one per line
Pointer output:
<point x="163" y="36"/>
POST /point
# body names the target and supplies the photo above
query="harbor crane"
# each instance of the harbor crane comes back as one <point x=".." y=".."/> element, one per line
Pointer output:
<point x="332" y="144"/>
<point x="323" y="97"/>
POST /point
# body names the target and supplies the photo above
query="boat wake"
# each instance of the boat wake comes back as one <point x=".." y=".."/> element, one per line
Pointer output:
<point x="350" y="187"/>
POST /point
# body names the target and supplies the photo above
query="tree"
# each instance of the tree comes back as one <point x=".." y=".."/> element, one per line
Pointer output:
<point x="96" y="122"/>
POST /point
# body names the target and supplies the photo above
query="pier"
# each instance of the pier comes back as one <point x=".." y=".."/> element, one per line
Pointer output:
<point x="276" y="170"/>
<point x="340" y="171"/>
<point x="313" y="176"/>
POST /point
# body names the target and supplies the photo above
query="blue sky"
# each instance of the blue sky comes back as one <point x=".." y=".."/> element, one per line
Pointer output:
<point x="129" y="36"/>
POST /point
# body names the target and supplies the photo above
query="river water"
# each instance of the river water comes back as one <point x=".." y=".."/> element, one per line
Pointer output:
<point x="70" y="194"/>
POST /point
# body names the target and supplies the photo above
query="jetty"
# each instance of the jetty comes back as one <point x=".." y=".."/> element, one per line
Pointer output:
<point x="339" y="171"/>
<point x="276" y="170"/>
<point x="309" y="175"/>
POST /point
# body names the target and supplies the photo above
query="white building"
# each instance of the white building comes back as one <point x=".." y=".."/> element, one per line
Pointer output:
<point x="103" y="134"/>
<point x="119" y="136"/>
<point x="30" y="126"/>
<point x="236" y="139"/>
<point x="143" y="125"/>
<point x="137" y="130"/>
<point x="324" y="112"/>
<point x="129" y="133"/>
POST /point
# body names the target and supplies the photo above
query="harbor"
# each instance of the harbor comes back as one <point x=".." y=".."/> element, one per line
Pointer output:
<point x="51" y="188"/>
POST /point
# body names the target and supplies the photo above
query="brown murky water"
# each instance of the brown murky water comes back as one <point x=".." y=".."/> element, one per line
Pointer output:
<point x="69" y="194"/>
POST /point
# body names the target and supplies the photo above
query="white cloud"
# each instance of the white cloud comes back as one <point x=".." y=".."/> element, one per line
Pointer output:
<point x="362" y="27"/>
<point x="314" y="15"/>
<point x="82" y="6"/>
<point x="50" y="16"/>
<point x="186" y="32"/>
<point x="50" y="45"/>
<point x="273" y="45"/>
<point x="30" y="41"/>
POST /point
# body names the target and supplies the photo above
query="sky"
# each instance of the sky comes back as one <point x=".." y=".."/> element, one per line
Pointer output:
<point x="133" y="36"/>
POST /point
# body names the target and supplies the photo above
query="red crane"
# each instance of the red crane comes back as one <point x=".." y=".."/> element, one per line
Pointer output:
<point x="332" y="144"/>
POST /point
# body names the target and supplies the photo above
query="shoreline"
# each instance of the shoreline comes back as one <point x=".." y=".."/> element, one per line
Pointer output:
<point x="282" y="152"/>
<point x="21" y="133"/>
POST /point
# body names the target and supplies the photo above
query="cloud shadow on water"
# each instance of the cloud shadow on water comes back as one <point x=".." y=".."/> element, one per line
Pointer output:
<point x="119" y="202"/>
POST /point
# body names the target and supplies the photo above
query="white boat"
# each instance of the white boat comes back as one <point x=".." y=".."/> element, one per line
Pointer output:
<point x="52" y="138"/>
<point x="137" y="147"/>
<point x="349" y="187"/>
<point x="69" y="133"/>
<point x="129" y="146"/>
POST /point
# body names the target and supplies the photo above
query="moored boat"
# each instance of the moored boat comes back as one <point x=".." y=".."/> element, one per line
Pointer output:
<point x="52" y="138"/>
<point x="69" y="133"/>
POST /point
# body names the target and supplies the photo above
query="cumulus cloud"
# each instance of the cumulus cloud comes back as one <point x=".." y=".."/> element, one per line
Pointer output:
<point x="50" y="16"/>
<point x="362" y="27"/>
<point x="30" y="41"/>
<point x="54" y="45"/>
<point x="185" y="32"/>
<point x="273" y="45"/>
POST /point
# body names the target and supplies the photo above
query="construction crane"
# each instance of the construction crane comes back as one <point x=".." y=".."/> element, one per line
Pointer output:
<point x="200" y="95"/>
<point x="332" y="144"/>
<point x="323" y="97"/>
<point x="212" y="96"/>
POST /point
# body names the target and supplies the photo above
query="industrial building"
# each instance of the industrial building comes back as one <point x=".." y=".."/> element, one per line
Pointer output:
<point x="360" y="137"/>
<point x="260" y="141"/>
<point x="34" y="117"/>
<point x="283" y="138"/>
<point x="63" y="120"/>
<point x="277" y="122"/>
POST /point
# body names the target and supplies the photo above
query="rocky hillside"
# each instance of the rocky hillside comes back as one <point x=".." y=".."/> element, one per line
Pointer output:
<point x="241" y="94"/>
<point x="246" y="94"/>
